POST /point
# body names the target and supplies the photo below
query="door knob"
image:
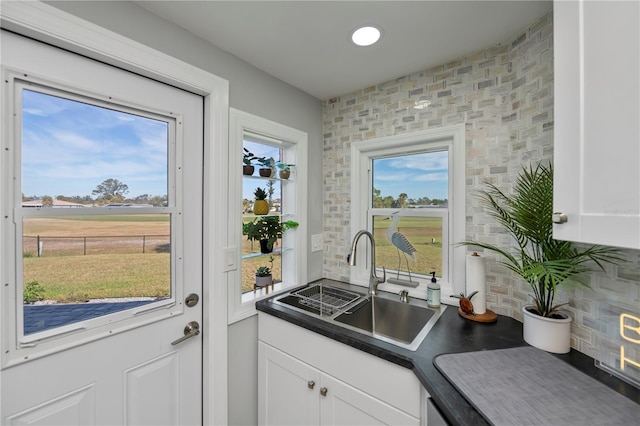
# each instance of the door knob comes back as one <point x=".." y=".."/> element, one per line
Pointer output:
<point x="311" y="384"/>
<point x="190" y="330"/>
<point x="323" y="391"/>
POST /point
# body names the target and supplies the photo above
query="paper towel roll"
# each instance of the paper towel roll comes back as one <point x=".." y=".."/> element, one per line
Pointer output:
<point x="476" y="281"/>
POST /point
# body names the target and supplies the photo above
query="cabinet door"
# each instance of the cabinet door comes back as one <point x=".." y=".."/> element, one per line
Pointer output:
<point x="345" y="405"/>
<point x="597" y="125"/>
<point x="287" y="389"/>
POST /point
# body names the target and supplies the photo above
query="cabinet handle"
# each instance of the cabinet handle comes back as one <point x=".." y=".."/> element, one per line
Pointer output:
<point x="311" y="384"/>
<point x="559" y="217"/>
<point x="323" y="391"/>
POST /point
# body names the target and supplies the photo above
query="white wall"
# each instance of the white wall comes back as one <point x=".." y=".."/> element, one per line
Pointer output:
<point x="252" y="91"/>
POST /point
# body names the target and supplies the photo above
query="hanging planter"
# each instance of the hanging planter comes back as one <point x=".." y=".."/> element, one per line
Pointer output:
<point x="546" y="333"/>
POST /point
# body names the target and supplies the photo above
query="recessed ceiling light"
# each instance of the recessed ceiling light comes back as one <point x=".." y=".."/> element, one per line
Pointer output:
<point x="366" y="35"/>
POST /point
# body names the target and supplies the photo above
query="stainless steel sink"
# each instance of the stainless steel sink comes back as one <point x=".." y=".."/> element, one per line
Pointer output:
<point x="383" y="316"/>
<point x="389" y="318"/>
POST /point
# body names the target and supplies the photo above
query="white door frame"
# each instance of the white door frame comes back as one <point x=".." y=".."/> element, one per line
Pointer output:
<point x="48" y="24"/>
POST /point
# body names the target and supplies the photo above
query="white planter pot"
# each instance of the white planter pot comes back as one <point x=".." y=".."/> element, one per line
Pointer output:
<point x="263" y="281"/>
<point x="548" y="334"/>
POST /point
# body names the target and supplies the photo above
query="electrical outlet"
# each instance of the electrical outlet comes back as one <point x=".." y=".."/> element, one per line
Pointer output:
<point x="316" y="242"/>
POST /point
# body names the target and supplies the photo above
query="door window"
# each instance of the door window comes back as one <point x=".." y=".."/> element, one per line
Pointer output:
<point x="96" y="209"/>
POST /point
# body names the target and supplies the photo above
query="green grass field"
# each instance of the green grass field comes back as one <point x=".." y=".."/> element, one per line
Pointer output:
<point x="67" y="276"/>
<point x="80" y="278"/>
<point x="114" y="267"/>
<point x="421" y="233"/>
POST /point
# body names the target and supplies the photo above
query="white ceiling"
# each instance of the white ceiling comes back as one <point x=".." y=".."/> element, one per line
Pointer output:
<point x="306" y="43"/>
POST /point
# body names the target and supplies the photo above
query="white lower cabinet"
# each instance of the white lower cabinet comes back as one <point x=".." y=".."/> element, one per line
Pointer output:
<point x="308" y="379"/>
<point x="295" y="393"/>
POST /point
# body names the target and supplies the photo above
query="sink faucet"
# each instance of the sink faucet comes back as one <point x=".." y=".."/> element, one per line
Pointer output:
<point x="373" y="279"/>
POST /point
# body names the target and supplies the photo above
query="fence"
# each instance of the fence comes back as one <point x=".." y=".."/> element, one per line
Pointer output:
<point x="72" y="246"/>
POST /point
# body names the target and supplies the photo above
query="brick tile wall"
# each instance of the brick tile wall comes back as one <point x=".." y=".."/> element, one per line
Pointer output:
<point x="504" y="96"/>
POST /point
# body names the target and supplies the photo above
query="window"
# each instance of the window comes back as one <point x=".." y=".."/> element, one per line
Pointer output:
<point x="265" y="145"/>
<point x="94" y="210"/>
<point x="411" y="186"/>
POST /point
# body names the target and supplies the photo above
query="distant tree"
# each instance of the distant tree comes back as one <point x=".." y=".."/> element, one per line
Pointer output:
<point x="402" y="200"/>
<point x="377" y="199"/>
<point x="110" y="191"/>
<point x="270" y="191"/>
<point x="246" y="204"/>
<point x="142" y="199"/>
<point x="86" y="199"/>
<point x="47" y="201"/>
<point x="159" y="200"/>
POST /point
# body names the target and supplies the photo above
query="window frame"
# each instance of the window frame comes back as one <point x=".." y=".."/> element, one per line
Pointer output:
<point x="362" y="153"/>
<point x="241" y="306"/>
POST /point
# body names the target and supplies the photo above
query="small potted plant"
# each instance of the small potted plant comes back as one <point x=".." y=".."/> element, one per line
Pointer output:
<point x="284" y="170"/>
<point x="247" y="165"/>
<point x="543" y="262"/>
<point x="263" y="277"/>
<point x="267" y="230"/>
<point x="266" y="166"/>
<point x="260" y="206"/>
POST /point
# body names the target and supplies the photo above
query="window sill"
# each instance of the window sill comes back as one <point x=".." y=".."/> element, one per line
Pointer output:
<point x="247" y="307"/>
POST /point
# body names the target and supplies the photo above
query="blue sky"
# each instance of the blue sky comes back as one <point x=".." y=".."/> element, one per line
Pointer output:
<point x="69" y="148"/>
<point x="250" y="185"/>
<point x="417" y="175"/>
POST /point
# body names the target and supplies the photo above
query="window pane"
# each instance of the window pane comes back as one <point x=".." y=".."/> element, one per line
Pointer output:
<point x="78" y="157"/>
<point x="423" y="233"/>
<point x="253" y="254"/>
<point x="412" y="181"/>
<point x="415" y="180"/>
<point x="75" y="152"/>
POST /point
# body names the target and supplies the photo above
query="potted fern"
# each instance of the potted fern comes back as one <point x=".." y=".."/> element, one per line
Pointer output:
<point x="542" y="261"/>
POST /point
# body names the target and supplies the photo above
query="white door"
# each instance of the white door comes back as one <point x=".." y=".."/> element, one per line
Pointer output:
<point x="125" y="233"/>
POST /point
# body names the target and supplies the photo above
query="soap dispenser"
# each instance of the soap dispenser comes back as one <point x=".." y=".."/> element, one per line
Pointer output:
<point x="433" y="292"/>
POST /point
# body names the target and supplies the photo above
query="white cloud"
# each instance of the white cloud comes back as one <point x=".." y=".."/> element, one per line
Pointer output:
<point x="34" y="111"/>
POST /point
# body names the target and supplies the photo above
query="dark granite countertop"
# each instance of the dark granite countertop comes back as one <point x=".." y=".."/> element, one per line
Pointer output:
<point x="451" y="334"/>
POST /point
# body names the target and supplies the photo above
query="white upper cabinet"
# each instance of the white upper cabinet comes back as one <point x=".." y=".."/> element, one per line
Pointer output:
<point x="597" y="121"/>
